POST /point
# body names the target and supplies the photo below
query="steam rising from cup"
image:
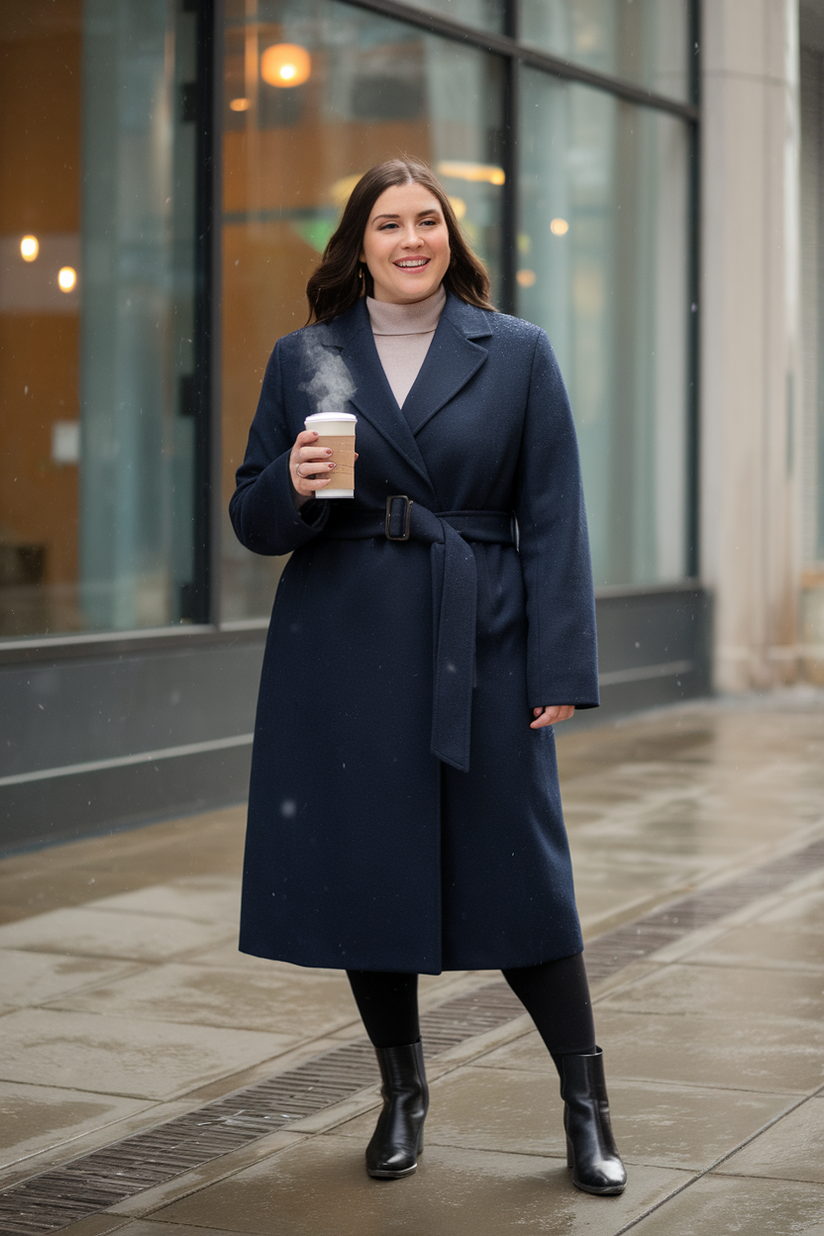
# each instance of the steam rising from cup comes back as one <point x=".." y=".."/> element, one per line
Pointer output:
<point x="331" y="385"/>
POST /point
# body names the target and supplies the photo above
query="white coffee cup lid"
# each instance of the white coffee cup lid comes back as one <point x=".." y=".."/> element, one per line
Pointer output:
<point x="318" y="417"/>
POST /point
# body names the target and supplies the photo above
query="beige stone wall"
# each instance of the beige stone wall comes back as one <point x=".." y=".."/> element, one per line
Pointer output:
<point x="751" y="381"/>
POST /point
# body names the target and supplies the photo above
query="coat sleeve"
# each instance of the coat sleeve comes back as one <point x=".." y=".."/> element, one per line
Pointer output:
<point x="262" y="508"/>
<point x="562" y="657"/>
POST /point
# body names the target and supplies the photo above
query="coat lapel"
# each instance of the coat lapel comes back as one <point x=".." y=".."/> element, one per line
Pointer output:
<point x="352" y="337"/>
<point x="453" y="358"/>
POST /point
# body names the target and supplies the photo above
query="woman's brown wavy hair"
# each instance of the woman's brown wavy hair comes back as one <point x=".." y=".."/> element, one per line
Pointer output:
<point x="341" y="278"/>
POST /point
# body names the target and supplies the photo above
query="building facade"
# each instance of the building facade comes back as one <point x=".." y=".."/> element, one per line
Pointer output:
<point x="642" y="179"/>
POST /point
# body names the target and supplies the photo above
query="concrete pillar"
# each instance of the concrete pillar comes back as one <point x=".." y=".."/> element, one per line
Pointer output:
<point x="751" y="405"/>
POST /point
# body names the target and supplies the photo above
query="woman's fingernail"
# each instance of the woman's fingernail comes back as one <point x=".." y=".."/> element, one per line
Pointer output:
<point x="328" y="451"/>
<point x="331" y="465"/>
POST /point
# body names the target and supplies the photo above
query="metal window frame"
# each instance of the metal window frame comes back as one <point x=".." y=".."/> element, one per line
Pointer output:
<point x="508" y="45"/>
<point x="208" y="193"/>
<point x="693" y="490"/>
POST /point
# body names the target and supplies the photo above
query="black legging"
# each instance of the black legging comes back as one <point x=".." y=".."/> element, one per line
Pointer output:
<point x="555" y="994"/>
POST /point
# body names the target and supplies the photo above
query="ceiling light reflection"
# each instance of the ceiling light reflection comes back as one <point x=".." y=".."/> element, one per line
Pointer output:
<point x="29" y="248"/>
<point x="67" y="278"/>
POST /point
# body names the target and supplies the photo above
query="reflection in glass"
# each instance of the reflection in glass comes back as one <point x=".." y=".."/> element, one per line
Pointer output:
<point x="486" y="15"/>
<point x="644" y="41"/>
<point x="137" y="331"/>
<point x="603" y="250"/>
<point x="96" y="314"/>
<point x="290" y="158"/>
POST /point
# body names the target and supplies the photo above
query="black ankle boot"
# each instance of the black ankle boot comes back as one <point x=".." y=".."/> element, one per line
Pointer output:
<point x="398" y="1137"/>
<point x="591" y="1150"/>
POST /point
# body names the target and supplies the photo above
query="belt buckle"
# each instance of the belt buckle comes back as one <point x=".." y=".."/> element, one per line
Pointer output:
<point x="406" y="518"/>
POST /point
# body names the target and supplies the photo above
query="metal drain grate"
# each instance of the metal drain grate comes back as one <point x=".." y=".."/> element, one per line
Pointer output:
<point x="633" y="941"/>
<point x="62" y="1196"/>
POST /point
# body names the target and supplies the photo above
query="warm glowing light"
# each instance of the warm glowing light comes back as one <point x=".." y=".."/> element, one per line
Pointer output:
<point x="239" y="105"/>
<point x="559" y="227"/>
<point x="285" y="64"/>
<point x="66" y="278"/>
<point x="526" y="278"/>
<point x="29" y="248"/>
<point x="487" y="173"/>
<point x="459" y="206"/>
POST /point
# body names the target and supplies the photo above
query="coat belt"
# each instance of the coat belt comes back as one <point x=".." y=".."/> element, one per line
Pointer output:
<point x="454" y="598"/>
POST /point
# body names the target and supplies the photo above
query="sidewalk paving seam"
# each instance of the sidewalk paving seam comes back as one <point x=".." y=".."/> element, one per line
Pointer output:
<point x="706" y="1171"/>
<point x="61" y="1196"/>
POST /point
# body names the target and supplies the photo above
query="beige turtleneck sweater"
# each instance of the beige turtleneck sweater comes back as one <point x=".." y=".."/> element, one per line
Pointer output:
<point x="403" y="334"/>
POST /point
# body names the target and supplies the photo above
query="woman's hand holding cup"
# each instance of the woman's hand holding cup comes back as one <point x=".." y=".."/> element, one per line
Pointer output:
<point x="310" y="466"/>
<point x="311" y="462"/>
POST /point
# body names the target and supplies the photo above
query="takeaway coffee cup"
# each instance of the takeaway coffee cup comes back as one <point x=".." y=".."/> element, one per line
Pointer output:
<point x="336" y="430"/>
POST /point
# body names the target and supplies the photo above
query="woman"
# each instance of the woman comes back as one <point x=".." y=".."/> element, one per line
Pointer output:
<point x="404" y="812"/>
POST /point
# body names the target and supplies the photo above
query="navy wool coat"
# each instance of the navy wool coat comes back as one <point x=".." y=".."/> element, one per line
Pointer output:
<point x="372" y="842"/>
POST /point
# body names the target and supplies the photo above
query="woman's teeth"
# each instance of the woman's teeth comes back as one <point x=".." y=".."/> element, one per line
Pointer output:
<point x="412" y="264"/>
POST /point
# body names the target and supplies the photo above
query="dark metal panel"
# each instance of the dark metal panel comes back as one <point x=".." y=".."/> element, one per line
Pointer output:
<point x="66" y="808"/>
<point x="657" y="645"/>
<point x="640" y="629"/>
<point x="37" y="650"/>
<point x="78" y="711"/>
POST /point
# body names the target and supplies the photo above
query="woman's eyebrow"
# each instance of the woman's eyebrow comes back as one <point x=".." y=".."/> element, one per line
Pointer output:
<point x="420" y="215"/>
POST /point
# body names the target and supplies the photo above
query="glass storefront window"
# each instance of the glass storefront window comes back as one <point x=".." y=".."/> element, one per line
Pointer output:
<point x="643" y="41"/>
<point x="603" y="250"/>
<point x="102" y="298"/>
<point x="357" y="88"/>
<point x="97" y="209"/>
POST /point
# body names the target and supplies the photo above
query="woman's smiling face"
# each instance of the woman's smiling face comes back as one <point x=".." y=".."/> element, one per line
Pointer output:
<point x="406" y="245"/>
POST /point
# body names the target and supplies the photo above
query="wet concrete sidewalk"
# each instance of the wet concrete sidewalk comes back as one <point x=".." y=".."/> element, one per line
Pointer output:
<point x="125" y="1009"/>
